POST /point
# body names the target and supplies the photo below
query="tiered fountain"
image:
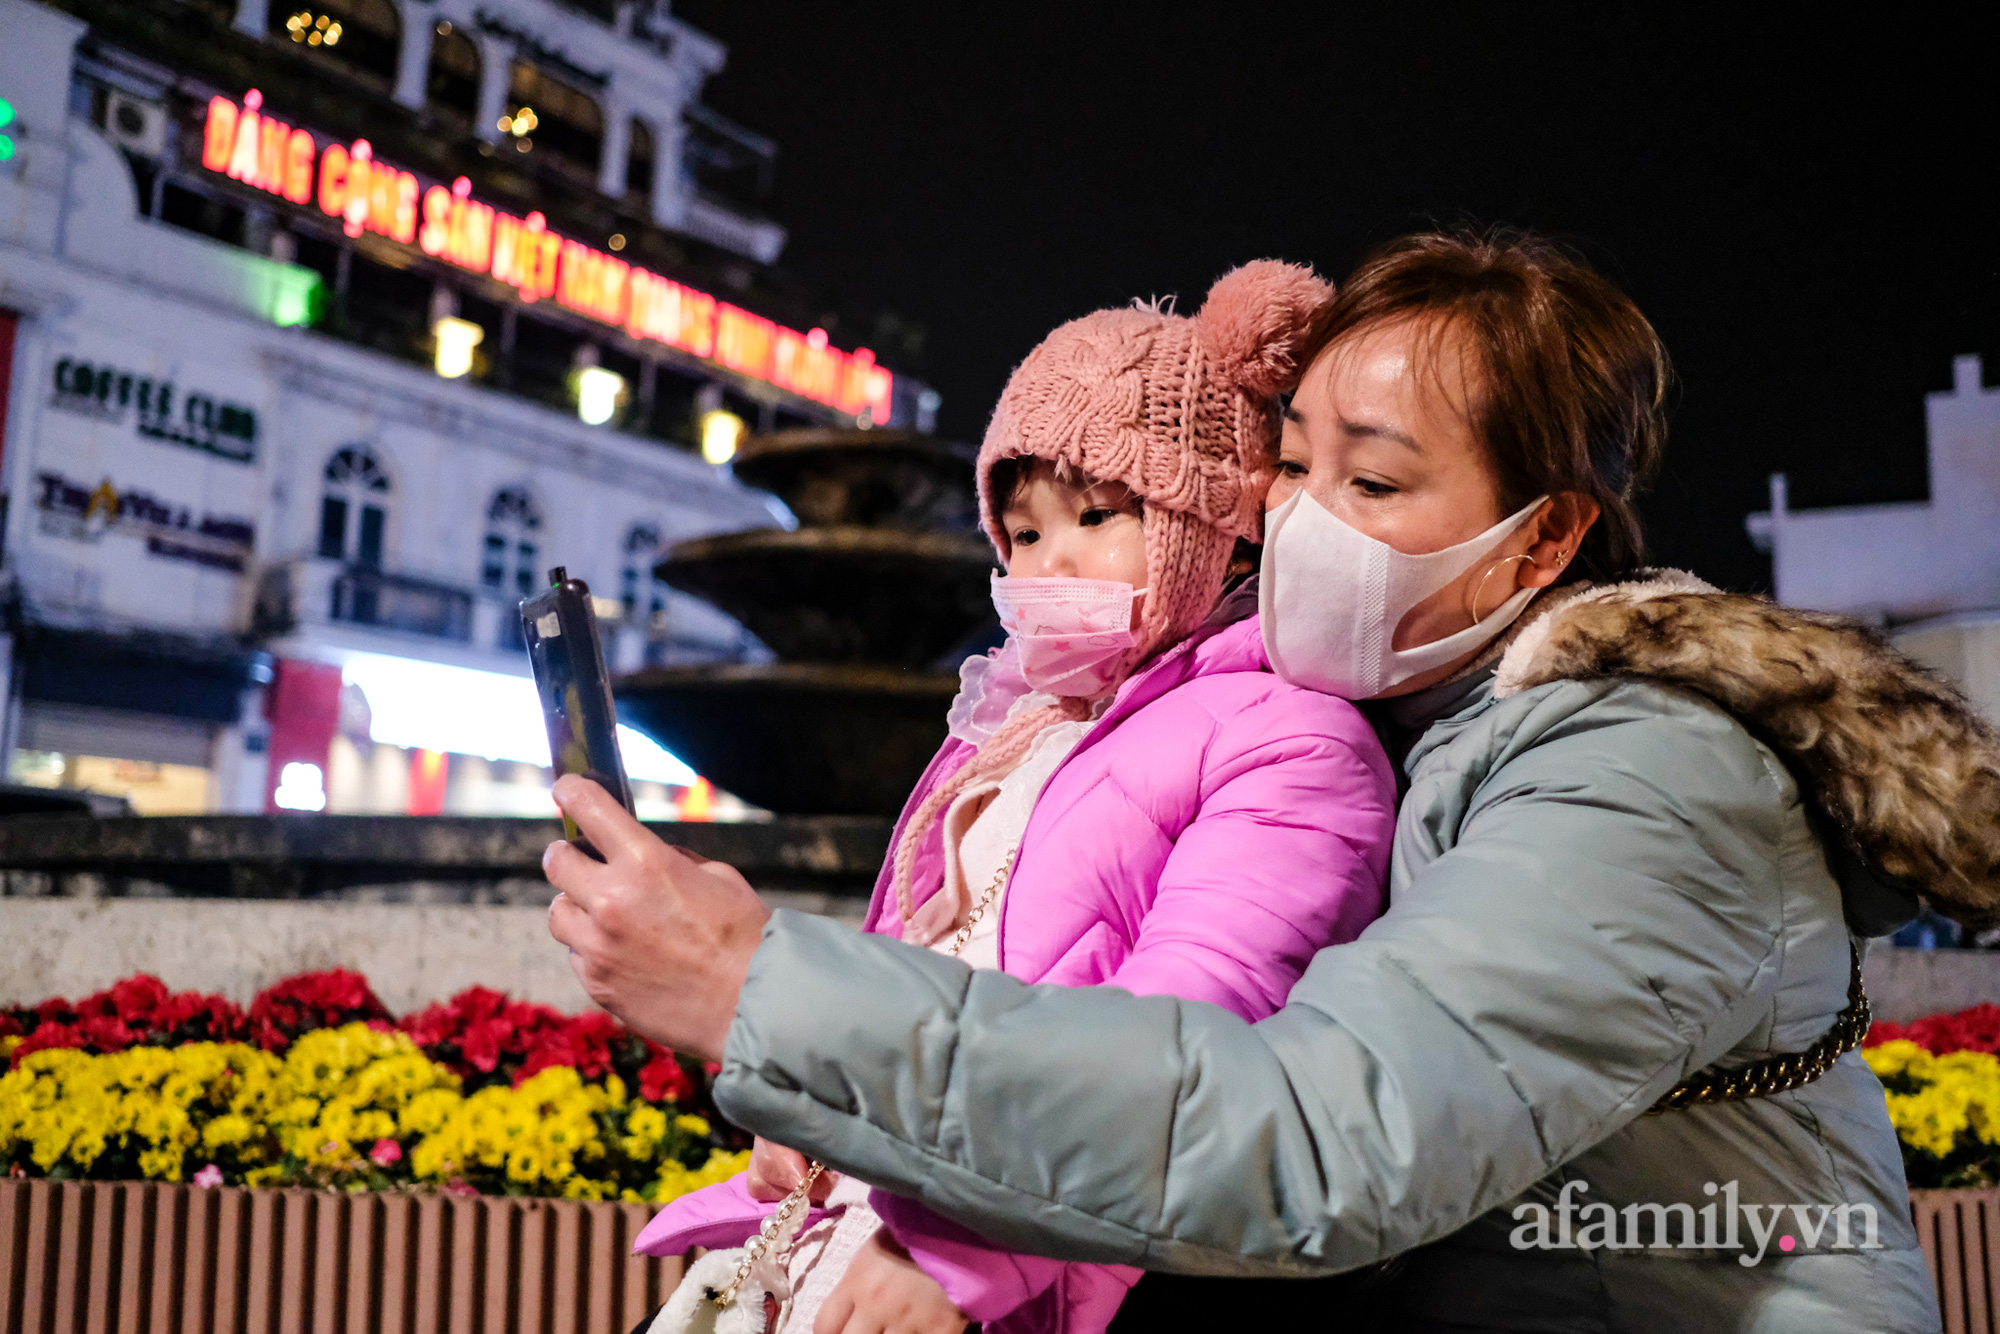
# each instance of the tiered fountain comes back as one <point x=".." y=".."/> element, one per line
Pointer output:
<point x="867" y="606"/>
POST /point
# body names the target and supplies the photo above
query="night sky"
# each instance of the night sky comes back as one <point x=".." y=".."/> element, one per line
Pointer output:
<point x="1807" y="213"/>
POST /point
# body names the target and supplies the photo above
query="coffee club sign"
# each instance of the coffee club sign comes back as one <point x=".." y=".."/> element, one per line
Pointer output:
<point x="157" y="409"/>
<point x="347" y="183"/>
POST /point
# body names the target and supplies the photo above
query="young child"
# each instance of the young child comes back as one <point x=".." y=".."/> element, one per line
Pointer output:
<point x="1129" y="796"/>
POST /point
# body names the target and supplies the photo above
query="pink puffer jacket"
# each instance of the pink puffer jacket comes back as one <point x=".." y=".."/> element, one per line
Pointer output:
<point x="1213" y="831"/>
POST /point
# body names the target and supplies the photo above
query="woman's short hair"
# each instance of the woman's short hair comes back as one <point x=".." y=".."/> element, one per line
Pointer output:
<point x="1572" y="378"/>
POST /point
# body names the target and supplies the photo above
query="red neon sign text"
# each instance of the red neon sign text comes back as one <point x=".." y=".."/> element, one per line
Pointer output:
<point x="366" y="195"/>
<point x="260" y="151"/>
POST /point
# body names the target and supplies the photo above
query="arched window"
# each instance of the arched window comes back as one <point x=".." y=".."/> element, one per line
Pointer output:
<point x="363" y="36"/>
<point x="513" y="538"/>
<point x="546" y="114"/>
<point x="639" y="160"/>
<point x="644" y="597"/>
<point x="354" y="507"/>
<point x="454" y="76"/>
<point x="640" y="545"/>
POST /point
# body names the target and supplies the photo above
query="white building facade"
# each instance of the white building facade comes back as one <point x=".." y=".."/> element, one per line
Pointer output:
<point x="259" y="551"/>
<point x="1928" y="572"/>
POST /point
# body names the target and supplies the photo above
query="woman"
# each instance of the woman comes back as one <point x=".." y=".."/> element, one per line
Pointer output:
<point x="1645" y="823"/>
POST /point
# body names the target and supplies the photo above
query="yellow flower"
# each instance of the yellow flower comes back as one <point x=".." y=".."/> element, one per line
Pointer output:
<point x="525" y="1164"/>
<point x="226" y="1130"/>
<point x="1955" y="1096"/>
<point x="676" y="1180"/>
<point x="648" y="1123"/>
<point x="1901" y="1057"/>
<point x="325" y="1101"/>
<point x="425" y="1112"/>
<point x="161" y="1164"/>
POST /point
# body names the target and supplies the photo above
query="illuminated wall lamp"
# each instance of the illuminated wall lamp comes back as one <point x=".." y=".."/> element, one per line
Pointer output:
<point x="597" y="392"/>
<point x="721" y="433"/>
<point x="455" y="340"/>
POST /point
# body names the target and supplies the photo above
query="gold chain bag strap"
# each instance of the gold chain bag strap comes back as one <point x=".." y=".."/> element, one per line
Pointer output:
<point x="775" y="1224"/>
<point x="1779" y="1074"/>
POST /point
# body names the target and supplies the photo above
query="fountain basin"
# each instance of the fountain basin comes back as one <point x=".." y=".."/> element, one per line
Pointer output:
<point x="871" y="479"/>
<point x="796" y="737"/>
<point x="843" y="594"/>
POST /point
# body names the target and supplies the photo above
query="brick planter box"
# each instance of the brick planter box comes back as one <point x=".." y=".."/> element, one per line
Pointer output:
<point x="143" y="1258"/>
<point x="1960" y="1233"/>
<point x="140" y="1258"/>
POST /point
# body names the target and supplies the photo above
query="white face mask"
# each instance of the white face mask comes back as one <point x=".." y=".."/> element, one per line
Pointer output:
<point x="1331" y="598"/>
<point x="1072" y="634"/>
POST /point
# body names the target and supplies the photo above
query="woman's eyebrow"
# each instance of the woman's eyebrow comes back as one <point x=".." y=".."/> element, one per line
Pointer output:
<point x="1380" y="431"/>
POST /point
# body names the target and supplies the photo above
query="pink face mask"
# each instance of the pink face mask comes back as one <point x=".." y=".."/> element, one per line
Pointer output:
<point x="1072" y="634"/>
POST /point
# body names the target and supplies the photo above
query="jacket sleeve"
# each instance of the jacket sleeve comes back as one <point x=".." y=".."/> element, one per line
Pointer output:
<point x="1315" y="803"/>
<point x="1603" y="923"/>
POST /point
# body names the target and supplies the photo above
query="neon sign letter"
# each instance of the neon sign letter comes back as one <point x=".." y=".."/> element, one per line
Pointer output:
<point x="364" y="194"/>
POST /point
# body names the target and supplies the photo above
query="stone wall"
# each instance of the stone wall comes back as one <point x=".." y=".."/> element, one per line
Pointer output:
<point x="413" y="954"/>
<point x="1906" y="984"/>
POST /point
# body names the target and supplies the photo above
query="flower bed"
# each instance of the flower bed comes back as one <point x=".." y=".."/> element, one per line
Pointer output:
<point x="316" y="1084"/>
<point x="1942" y="1078"/>
<point x="1942" y="1075"/>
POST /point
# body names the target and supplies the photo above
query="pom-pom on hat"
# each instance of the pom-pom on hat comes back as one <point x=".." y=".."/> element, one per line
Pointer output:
<point x="1181" y="410"/>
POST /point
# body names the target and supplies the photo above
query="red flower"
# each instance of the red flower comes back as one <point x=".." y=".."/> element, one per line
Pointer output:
<point x="591" y="1036"/>
<point x="48" y="1036"/>
<point x="1882" y="1031"/>
<point x="135" y="997"/>
<point x="479" y="1032"/>
<point x="55" y="1010"/>
<point x="482" y="1044"/>
<point x="299" y="1004"/>
<point x="134" y="1010"/>
<point x="540" y="1059"/>
<point x="105" y="1033"/>
<point x="1974" y="1029"/>
<point x="663" y="1080"/>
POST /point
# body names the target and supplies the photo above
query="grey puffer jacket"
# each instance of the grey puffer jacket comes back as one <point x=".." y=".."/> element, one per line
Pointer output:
<point x="1628" y="852"/>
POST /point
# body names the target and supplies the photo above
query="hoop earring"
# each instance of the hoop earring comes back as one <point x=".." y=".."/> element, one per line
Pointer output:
<point x="1480" y="588"/>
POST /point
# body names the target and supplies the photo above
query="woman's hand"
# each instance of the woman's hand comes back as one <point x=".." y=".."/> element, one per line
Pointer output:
<point x="883" y="1292"/>
<point x="660" y="938"/>
<point x="776" y="1171"/>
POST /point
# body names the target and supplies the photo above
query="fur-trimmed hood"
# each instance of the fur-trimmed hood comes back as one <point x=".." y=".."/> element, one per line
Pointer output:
<point x="1898" y="762"/>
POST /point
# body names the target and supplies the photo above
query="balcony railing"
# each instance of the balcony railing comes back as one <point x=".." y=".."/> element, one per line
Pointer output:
<point x="311" y="591"/>
<point x="363" y="596"/>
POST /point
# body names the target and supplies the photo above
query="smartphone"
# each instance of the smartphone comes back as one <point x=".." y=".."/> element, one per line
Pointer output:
<point x="560" y="626"/>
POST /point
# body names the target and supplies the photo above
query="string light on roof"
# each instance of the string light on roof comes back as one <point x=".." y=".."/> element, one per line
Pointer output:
<point x="313" y="29"/>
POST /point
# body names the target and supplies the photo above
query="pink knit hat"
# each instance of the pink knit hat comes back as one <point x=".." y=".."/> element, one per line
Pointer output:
<point x="1180" y="410"/>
